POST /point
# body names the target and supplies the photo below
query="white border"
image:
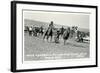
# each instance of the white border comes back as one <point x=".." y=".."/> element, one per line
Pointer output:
<point x="55" y="63"/>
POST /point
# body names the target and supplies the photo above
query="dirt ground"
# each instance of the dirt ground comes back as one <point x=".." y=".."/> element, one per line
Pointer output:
<point x="36" y="49"/>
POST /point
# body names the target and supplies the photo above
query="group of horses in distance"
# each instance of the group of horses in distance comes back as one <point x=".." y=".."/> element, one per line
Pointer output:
<point x="55" y="34"/>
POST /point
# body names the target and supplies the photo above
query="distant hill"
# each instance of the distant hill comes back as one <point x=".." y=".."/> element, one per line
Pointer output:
<point x="83" y="29"/>
<point x="28" y="22"/>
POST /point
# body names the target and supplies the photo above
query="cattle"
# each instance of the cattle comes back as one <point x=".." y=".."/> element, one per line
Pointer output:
<point x="82" y="36"/>
<point x="37" y="31"/>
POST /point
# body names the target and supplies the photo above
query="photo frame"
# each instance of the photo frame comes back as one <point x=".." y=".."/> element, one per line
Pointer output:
<point x="49" y="36"/>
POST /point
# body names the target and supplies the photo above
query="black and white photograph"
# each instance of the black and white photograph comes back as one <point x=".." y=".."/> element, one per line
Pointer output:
<point x="48" y="36"/>
<point x="52" y="35"/>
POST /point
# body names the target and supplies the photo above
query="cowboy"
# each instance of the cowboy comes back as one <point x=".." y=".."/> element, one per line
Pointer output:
<point x="49" y="31"/>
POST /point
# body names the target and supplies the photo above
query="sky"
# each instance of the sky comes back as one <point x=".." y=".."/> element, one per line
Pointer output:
<point x="61" y="18"/>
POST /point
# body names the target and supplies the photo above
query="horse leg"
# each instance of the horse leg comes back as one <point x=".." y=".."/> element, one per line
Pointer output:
<point x="44" y="36"/>
<point x="41" y="33"/>
<point x="51" y="38"/>
<point x="47" y="37"/>
<point x="64" y="42"/>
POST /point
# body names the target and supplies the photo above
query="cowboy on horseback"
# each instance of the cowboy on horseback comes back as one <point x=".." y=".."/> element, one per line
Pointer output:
<point x="49" y="31"/>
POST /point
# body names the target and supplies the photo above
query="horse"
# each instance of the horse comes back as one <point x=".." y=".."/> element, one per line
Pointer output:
<point x="48" y="33"/>
<point x="73" y="31"/>
<point x="61" y="31"/>
<point x="66" y="34"/>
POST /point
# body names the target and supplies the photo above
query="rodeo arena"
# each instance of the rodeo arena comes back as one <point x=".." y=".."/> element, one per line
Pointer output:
<point x="69" y="41"/>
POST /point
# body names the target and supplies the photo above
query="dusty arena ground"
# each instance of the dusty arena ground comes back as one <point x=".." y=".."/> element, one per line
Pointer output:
<point x="36" y="49"/>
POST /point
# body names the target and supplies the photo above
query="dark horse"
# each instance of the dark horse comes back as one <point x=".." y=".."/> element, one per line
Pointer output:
<point x="49" y="32"/>
<point x="66" y="34"/>
<point x="61" y="31"/>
